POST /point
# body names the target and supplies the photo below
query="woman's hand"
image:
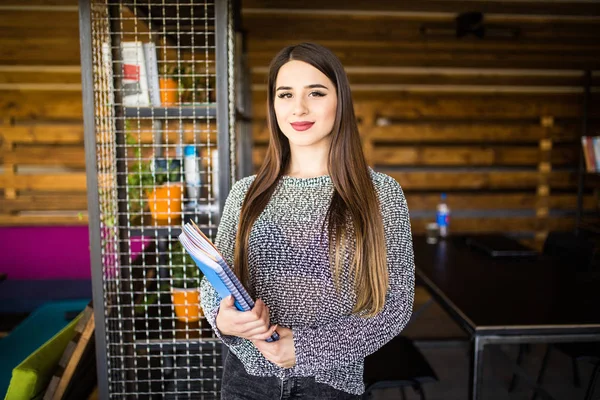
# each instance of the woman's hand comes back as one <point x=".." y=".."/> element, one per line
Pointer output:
<point x="282" y="352"/>
<point x="251" y="325"/>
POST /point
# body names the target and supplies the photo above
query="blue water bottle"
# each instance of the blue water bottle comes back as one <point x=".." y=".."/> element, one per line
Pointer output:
<point x="443" y="216"/>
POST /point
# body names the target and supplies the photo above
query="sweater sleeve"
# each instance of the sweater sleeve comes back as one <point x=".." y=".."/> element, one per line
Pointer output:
<point x="225" y="243"/>
<point x="352" y="337"/>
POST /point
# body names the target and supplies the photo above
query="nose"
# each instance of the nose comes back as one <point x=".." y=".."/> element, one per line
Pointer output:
<point x="300" y="106"/>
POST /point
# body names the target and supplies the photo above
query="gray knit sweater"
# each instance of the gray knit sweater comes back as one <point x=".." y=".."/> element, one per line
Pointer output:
<point x="290" y="270"/>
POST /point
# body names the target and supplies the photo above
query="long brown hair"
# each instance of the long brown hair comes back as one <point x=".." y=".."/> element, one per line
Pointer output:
<point x="354" y="200"/>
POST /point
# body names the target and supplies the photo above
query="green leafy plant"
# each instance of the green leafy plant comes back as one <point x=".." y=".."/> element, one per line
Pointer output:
<point x="144" y="176"/>
<point x="194" y="86"/>
<point x="184" y="271"/>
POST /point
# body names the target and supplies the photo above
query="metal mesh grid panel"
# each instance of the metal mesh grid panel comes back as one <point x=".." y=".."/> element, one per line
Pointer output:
<point x="157" y="155"/>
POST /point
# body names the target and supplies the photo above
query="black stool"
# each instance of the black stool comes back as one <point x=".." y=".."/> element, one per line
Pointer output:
<point x="396" y="365"/>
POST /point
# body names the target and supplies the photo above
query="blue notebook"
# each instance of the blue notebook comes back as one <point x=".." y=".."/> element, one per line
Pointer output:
<point x="215" y="269"/>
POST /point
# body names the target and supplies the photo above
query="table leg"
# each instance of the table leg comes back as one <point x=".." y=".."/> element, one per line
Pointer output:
<point x="476" y="368"/>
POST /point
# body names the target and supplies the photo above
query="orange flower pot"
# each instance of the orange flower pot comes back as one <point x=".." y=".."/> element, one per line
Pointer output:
<point x="169" y="91"/>
<point x="187" y="304"/>
<point x="165" y="201"/>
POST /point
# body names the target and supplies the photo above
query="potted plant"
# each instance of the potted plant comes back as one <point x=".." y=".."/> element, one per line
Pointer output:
<point x="156" y="182"/>
<point x="164" y="198"/>
<point x="168" y="85"/>
<point x="185" y="287"/>
<point x="183" y="84"/>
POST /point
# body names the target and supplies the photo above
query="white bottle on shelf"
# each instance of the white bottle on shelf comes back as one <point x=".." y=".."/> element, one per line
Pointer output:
<point x="443" y="216"/>
<point x="215" y="175"/>
<point x="192" y="174"/>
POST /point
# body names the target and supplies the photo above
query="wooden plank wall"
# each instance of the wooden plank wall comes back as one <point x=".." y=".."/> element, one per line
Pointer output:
<point x="494" y="122"/>
<point x="42" y="157"/>
<point x="42" y="178"/>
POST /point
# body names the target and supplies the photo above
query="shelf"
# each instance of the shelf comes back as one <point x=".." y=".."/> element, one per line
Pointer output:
<point x="159" y="327"/>
<point x="196" y="111"/>
<point x="200" y="345"/>
<point x="204" y="215"/>
<point x="159" y="228"/>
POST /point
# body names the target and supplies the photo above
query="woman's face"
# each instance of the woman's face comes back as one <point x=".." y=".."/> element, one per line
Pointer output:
<point x="305" y="104"/>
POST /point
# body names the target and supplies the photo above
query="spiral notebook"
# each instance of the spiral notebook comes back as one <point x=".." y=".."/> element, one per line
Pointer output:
<point x="215" y="269"/>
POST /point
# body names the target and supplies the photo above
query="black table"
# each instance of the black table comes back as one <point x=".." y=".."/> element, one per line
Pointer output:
<point x="508" y="300"/>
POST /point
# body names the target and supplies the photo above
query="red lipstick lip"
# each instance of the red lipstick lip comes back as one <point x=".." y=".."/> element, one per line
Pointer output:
<point x="302" y="126"/>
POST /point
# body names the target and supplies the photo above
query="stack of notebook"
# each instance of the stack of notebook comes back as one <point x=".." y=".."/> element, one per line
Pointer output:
<point x="215" y="269"/>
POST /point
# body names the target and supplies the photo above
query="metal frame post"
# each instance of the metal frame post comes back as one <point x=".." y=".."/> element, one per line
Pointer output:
<point x="87" y="85"/>
<point x="223" y="128"/>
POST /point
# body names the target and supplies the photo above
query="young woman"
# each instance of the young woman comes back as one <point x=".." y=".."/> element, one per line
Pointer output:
<point x="321" y="240"/>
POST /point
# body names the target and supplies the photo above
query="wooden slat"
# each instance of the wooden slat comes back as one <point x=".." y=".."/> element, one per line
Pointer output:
<point x="41" y="105"/>
<point x="75" y="360"/>
<point x="403" y="155"/>
<point x="47" y="182"/>
<point x="36" y="50"/>
<point x="452" y="132"/>
<point x="486" y="180"/>
<point x="423" y="43"/>
<point x="17" y="76"/>
<point x="575" y="8"/>
<point x="491" y="201"/>
<point x="461" y="106"/>
<point x="339" y="26"/>
<point x="505" y="224"/>
<point x="42" y="4"/>
<point x="497" y="106"/>
<point x="44" y="133"/>
<point x="420" y="89"/>
<point x="68" y="156"/>
<point x="439" y="77"/>
<point x="452" y="156"/>
<point x="28" y="20"/>
<point x="467" y="155"/>
<point x="476" y="180"/>
<point x="44" y="202"/>
<point x="345" y="35"/>
<point x="42" y="219"/>
<point x="469" y="132"/>
<point x="451" y="59"/>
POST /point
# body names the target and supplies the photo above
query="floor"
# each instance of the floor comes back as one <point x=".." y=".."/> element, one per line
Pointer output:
<point x="449" y="360"/>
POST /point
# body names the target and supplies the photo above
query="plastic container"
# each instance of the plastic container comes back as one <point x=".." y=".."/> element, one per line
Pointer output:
<point x="192" y="173"/>
<point x="215" y="175"/>
<point x="165" y="201"/>
<point x="443" y="216"/>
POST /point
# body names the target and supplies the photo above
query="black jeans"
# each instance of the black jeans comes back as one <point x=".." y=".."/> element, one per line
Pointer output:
<point x="237" y="384"/>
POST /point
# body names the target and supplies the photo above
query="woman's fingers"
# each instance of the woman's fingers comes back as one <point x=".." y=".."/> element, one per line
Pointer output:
<point x="227" y="302"/>
<point x="259" y="314"/>
<point x="250" y="324"/>
<point x="264" y="313"/>
<point x="262" y="335"/>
